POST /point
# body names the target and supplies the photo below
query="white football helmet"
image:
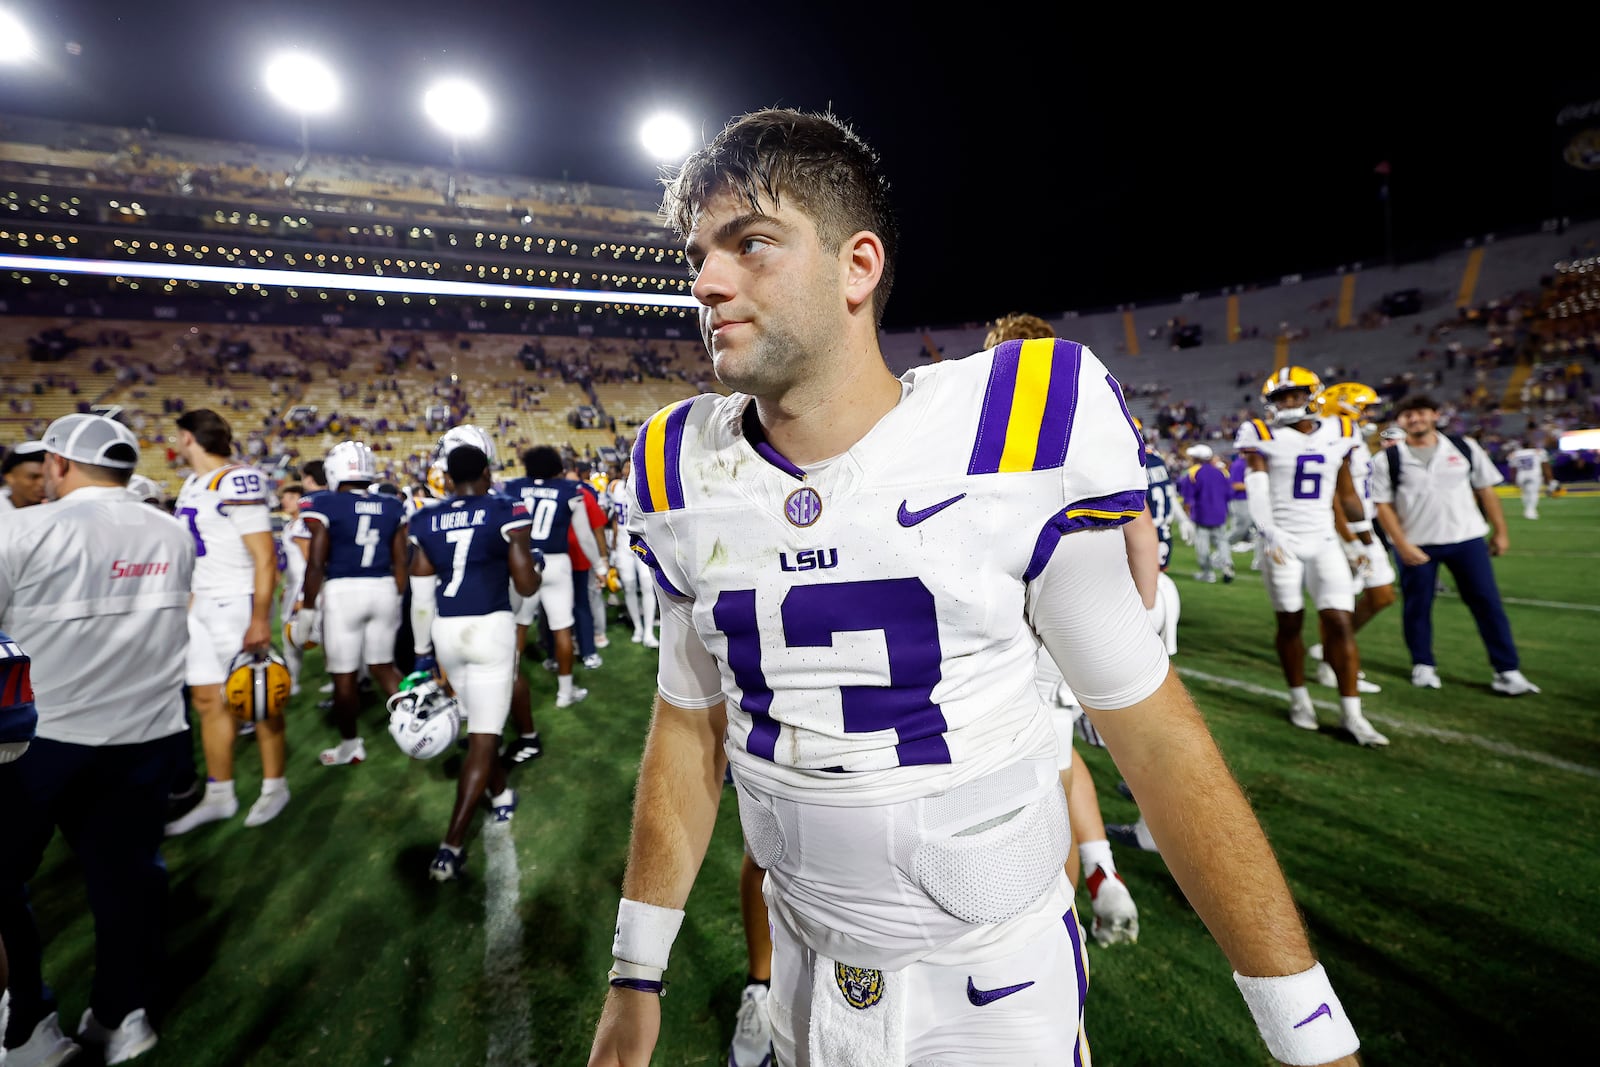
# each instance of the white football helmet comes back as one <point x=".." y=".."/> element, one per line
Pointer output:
<point x="350" y="461"/>
<point x="465" y="434"/>
<point x="144" y="488"/>
<point x="424" y="720"/>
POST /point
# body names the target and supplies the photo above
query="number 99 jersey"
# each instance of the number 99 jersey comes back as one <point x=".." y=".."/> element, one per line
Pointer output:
<point x="1302" y="470"/>
<point x="219" y="508"/>
<point x="868" y="615"/>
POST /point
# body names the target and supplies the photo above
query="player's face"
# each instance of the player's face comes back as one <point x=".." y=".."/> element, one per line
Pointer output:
<point x="291" y="502"/>
<point x="1292" y="398"/>
<point x="772" y="300"/>
<point x="1417" y="421"/>
<point x="27" y="484"/>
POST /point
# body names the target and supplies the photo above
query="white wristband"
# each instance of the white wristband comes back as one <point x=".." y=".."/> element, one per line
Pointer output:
<point x="1364" y="526"/>
<point x="1300" y="1017"/>
<point x="645" y="933"/>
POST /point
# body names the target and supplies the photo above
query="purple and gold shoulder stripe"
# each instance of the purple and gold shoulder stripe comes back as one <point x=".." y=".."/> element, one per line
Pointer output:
<point x="1263" y="431"/>
<point x="656" y="456"/>
<point x="1098" y="512"/>
<point x="1028" y="407"/>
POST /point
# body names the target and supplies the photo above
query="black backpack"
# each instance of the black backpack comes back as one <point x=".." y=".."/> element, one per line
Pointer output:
<point x="1459" y="440"/>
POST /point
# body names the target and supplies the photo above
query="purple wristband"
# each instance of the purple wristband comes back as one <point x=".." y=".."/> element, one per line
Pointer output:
<point x="641" y="985"/>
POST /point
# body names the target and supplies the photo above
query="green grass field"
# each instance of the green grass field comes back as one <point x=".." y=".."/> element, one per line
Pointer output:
<point x="1451" y="882"/>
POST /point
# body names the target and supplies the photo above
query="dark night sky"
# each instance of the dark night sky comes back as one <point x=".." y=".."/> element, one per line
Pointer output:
<point x="1040" y="165"/>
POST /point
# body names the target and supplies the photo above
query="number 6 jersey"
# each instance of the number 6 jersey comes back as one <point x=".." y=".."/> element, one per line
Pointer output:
<point x="868" y="615"/>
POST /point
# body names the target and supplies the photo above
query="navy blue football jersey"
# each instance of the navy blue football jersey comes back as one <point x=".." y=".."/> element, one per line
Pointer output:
<point x="549" y="504"/>
<point x="360" y="528"/>
<point x="1159" y="499"/>
<point x="466" y="539"/>
<point x="18" y="717"/>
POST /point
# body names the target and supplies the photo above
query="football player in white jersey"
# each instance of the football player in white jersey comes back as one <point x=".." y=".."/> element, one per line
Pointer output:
<point x="224" y="504"/>
<point x="861" y="571"/>
<point x="638" y="585"/>
<point x="1299" y="466"/>
<point x="1374" y="582"/>
<point x="292" y="565"/>
<point x="358" y="546"/>
<point x="1530" y="465"/>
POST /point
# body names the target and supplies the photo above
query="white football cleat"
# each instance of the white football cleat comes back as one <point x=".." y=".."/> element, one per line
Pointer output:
<point x="650" y="641"/>
<point x="1328" y="677"/>
<point x="1512" y="684"/>
<point x="268" y="806"/>
<point x="134" y="1036"/>
<point x="353" y="751"/>
<point x="1303" y="716"/>
<point x="211" y="809"/>
<point x="638" y="636"/>
<point x="571" y="698"/>
<point x="1116" y="918"/>
<point x="752" y="1032"/>
<point x="1363" y="731"/>
<point x="1425" y="676"/>
<point x="592" y="661"/>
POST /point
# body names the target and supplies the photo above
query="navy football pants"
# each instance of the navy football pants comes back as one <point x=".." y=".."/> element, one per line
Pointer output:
<point x="1468" y="563"/>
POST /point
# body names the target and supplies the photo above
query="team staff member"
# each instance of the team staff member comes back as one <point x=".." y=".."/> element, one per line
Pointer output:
<point x="23" y="473"/>
<point x="1437" y="511"/>
<point x="89" y="585"/>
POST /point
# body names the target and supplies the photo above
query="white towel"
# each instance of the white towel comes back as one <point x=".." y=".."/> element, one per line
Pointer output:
<point x="857" y="1016"/>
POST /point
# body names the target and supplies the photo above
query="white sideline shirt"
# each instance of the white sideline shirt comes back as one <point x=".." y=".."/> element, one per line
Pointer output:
<point x="1437" y="500"/>
<point x="96" y="587"/>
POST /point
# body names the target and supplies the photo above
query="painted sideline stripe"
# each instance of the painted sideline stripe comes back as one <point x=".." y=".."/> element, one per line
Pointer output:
<point x="510" y="1002"/>
<point x="1406" y="726"/>
<point x="1524" y="602"/>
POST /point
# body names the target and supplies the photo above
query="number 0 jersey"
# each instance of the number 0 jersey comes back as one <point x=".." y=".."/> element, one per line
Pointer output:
<point x="1302" y="470"/>
<point x="867" y="615"/>
<point x="465" y="538"/>
<point x="219" y="508"/>
<point x="360" y="529"/>
<point x="549" y="504"/>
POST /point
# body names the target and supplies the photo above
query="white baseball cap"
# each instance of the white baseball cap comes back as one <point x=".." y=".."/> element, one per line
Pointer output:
<point x="93" y="439"/>
<point x="1200" y="452"/>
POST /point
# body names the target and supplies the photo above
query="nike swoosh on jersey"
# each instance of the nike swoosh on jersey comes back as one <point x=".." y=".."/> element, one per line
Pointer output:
<point x="980" y="997"/>
<point x="911" y="518"/>
<point x="1322" y="1009"/>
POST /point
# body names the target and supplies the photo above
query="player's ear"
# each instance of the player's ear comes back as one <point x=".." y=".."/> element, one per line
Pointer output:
<point x="863" y="258"/>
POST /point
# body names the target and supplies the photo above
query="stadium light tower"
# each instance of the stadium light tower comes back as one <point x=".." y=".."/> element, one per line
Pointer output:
<point x="666" y="137"/>
<point x="305" y="85"/>
<point x="16" y="43"/>
<point x="460" y="109"/>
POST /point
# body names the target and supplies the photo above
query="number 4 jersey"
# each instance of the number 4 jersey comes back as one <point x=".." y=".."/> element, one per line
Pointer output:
<point x="868" y="614"/>
<point x="360" y="529"/>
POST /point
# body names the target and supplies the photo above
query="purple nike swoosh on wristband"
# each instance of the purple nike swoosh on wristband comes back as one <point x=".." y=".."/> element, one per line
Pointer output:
<point x="911" y="518"/>
<point x="980" y="997"/>
<point x="1322" y="1009"/>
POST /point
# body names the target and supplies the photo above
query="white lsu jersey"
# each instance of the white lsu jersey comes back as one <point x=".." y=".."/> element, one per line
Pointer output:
<point x="219" y="508"/>
<point x="867" y="615"/>
<point x="1527" y="464"/>
<point x="1302" y="470"/>
<point x="1361" y="475"/>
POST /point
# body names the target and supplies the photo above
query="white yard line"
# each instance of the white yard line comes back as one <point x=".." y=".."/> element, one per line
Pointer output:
<point x="1524" y="602"/>
<point x="1500" y="748"/>
<point x="510" y="1003"/>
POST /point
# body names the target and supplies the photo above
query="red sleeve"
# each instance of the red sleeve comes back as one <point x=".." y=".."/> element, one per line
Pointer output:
<point x="597" y="514"/>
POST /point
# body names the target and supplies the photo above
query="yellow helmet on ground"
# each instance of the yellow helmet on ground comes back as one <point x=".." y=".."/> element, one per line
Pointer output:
<point x="257" y="686"/>
<point x="1289" y="380"/>
<point x="1344" y="398"/>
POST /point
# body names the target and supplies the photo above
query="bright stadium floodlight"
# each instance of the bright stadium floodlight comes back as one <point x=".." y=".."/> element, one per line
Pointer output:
<point x="305" y="85"/>
<point x="666" y="137"/>
<point x="16" y="43"/>
<point x="459" y="108"/>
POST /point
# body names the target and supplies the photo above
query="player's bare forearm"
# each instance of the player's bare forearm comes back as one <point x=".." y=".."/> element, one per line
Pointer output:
<point x="675" y="804"/>
<point x="1144" y="555"/>
<point x="630" y="1024"/>
<point x="1489" y="504"/>
<point x="1207" y="832"/>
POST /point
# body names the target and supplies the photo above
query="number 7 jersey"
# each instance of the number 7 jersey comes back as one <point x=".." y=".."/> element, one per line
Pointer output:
<point x="867" y="615"/>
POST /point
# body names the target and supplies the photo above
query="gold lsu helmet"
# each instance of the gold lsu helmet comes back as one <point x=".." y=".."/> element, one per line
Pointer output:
<point x="1287" y="380"/>
<point x="1344" y="398"/>
<point x="257" y="686"/>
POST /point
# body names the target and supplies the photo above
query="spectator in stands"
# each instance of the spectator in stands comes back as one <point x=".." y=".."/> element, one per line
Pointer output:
<point x="1433" y="493"/>
<point x="23" y="473"/>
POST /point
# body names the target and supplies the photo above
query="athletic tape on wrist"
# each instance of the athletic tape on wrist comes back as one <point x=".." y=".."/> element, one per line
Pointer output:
<point x="1299" y="1016"/>
<point x="1364" y="526"/>
<point x="645" y="933"/>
